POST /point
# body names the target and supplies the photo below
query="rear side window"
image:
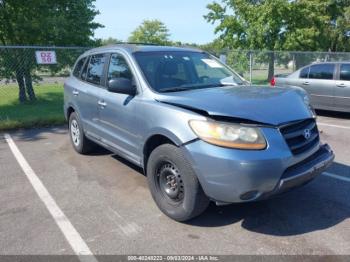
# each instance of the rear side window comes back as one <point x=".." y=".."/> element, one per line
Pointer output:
<point x="304" y="73"/>
<point x="84" y="71"/>
<point x="322" y="71"/>
<point x="345" y="72"/>
<point x="95" y="69"/>
<point x="79" y="67"/>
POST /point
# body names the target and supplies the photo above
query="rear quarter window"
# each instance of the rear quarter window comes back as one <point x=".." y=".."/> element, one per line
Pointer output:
<point x="322" y="71"/>
<point x="78" y="67"/>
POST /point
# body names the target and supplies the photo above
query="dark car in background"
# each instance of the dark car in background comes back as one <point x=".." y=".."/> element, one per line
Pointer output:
<point x="327" y="83"/>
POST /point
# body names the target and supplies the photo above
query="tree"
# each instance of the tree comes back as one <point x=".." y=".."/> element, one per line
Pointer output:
<point x="319" y="25"/>
<point x="110" y="41"/>
<point x="251" y="24"/>
<point x="150" y="31"/>
<point x="42" y="22"/>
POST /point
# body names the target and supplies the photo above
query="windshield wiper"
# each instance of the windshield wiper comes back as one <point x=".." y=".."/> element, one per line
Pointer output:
<point x="187" y="87"/>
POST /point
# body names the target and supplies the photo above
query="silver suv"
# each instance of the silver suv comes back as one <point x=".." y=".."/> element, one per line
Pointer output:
<point x="328" y="84"/>
<point x="194" y="126"/>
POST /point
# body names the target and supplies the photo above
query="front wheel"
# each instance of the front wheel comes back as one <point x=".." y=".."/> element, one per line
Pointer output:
<point x="174" y="185"/>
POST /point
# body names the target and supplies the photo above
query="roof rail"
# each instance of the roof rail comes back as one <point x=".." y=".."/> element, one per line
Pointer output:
<point x="137" y="43"/>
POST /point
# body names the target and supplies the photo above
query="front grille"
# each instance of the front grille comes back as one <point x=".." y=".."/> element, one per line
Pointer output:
<point x="301" y="136"/>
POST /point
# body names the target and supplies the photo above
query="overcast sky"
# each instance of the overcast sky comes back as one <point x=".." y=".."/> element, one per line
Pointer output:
<point x="184" y="18"/>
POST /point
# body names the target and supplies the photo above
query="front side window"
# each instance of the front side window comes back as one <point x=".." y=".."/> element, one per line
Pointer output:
<point x="118" y="68"/>
<point x="95" y="69"/>
<point x="168" y="71"/>
<point x="345" y="72"/>
<point x="322" y="71"/>
<point x="78" y="67"/>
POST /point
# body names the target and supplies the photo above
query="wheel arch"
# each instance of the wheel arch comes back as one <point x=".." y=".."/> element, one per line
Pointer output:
<point x="153" y="142"/>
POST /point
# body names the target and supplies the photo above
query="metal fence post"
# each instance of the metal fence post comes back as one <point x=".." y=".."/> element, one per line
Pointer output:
<point x="250" y="67"/>
<point x="294" y="62"/>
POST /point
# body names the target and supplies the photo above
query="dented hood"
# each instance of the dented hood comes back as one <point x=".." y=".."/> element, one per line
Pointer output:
<point x="263" y="104"/>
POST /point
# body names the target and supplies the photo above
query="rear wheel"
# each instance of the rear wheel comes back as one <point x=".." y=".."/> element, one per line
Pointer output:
<point x="79" y="141"/>
<point x="174" y="185"/>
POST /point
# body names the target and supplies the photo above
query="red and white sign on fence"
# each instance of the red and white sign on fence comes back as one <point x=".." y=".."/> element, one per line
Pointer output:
<point x="45" y="57"/>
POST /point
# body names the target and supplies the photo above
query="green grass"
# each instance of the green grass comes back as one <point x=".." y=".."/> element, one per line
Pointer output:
<point x="45" y="111"/>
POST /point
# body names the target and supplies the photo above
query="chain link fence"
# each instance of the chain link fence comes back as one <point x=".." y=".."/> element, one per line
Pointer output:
<point x="260" y="66"/>
<point x="32" y="93"/>
<point x="21" y="73"/>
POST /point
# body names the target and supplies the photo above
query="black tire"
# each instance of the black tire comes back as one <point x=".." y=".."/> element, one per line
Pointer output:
<point x="82" y="145"/>
<point x="180" y="200"/>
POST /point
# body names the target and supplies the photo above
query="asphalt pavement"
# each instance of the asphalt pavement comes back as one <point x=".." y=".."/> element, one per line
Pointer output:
<point x="106" y="200"/>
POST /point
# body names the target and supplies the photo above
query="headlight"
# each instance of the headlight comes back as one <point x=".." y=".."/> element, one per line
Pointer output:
<point x="229" y="135"/>
<point x="306" y="100"/>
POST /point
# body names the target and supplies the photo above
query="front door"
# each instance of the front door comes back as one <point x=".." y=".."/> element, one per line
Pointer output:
<point x="342" y="89"/>
<point x="117" y="115"/>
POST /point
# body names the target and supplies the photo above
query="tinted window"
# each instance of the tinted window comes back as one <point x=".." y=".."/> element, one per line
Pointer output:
<point x="118" y="68"/>
<point x="95" y="69"/>
<point x="323" y="71"/>
<point x="345" y="72"/>
<point x="304" y="73"/>
<point x="78" y="67"/>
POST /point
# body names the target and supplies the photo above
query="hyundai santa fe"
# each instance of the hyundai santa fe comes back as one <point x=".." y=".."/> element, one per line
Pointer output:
<point x="200" y="132"/>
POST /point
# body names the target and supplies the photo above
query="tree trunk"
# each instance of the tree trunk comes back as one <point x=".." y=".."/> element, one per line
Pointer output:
<point x="271" y="66"/>
<point x="22" y="90"/>
<point x="29" y="85"/>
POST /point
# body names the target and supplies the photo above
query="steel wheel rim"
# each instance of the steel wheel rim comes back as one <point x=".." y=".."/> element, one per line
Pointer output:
<point x="75" y="132"/>
<point x="170" y="183"/>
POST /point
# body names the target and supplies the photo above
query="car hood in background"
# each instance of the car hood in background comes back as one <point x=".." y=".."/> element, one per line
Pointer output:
<point x="263" y="104"/>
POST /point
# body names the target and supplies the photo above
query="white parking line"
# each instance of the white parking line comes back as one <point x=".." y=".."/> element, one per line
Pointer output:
<point x="331" y="125"/>
<point x="71" y="234"/>
<point x="343" y="178"/>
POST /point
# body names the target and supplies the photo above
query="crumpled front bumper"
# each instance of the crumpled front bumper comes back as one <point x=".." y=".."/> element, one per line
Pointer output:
<point x="304" y="172"/>
<point x="232" y="176"/>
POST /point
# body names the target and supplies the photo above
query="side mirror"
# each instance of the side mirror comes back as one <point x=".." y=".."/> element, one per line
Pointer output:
<point x="121" y="85"/>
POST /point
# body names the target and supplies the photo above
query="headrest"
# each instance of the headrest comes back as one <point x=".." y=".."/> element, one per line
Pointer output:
<point x="170" y="68"/>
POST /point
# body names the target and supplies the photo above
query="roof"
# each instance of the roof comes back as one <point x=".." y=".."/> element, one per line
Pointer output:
<point x="132" y="48"/>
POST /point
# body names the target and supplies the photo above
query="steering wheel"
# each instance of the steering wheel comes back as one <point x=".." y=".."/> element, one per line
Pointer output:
<point x="203" y="79"/>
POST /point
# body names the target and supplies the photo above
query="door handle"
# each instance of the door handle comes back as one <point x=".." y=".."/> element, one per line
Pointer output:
<point x="75" y="92"/>
<point x="341" y="85"/>
<point x="102" y="104"/>
<point x="306" y="83"/>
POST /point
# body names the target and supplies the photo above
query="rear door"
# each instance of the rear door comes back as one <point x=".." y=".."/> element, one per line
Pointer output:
<point x="342" y="89"/>
<point x="89" y="92"/>
<point x="320" y="84"/>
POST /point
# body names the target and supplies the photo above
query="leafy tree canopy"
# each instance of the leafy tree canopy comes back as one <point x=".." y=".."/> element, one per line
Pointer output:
<point x="319" y="25"/>
<point x="110" y="41"/>
<point x="313" y="25"/>
<point x="151" y="31"/>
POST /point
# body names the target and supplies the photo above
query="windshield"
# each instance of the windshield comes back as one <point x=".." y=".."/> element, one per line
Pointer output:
<point x="169" y="71"/>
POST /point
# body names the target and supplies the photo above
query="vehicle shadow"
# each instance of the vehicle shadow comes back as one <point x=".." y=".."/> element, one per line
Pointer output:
<point x="129" y="164"/>
<point x="333" y="114"/>
<point x="35" y="134"/>
<point x="319" y="205"/>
